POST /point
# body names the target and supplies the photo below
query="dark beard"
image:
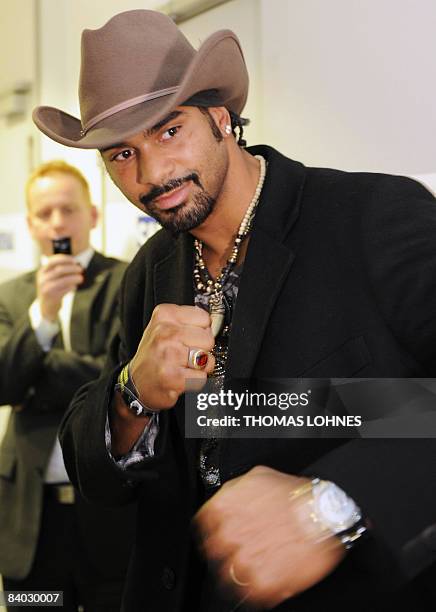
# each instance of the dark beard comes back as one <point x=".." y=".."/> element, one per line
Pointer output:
<point x="180" y="218"/>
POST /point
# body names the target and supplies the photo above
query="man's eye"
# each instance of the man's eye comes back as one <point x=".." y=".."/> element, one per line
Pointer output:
<point x="122" y="155"/>
<point x="170" y="133"/>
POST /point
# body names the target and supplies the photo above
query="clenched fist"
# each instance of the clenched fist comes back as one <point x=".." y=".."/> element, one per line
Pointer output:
<point x="263" y="539"/>
<point x="159" y="368"/>
<point x="160" y="365"/>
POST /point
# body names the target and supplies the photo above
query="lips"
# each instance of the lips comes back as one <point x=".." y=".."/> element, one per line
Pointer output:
<point x="173" y="198"/>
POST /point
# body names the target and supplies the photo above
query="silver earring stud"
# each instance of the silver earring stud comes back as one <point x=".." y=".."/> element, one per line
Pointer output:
<point x="228" y="129"/>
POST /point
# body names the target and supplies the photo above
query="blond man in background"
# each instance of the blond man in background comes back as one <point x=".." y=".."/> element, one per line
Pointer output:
<point x="55" y="325"/>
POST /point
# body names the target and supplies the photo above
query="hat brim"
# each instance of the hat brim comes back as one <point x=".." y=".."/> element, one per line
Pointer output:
<point x="218" y="64"/>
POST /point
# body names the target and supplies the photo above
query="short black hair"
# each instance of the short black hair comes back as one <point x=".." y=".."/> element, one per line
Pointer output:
<point x="210" y="97"/>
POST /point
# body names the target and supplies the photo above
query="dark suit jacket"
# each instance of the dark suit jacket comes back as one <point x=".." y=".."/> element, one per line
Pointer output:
<point x="338" y="281"/>
<point x="39" y="386"/>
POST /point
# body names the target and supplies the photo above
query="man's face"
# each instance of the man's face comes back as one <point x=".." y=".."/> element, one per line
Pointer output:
<point x="57" y="208"/>
<point x="175" y="171"/>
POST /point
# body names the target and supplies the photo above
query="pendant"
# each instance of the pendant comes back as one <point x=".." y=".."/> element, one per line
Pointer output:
<point x="217" y="312"/>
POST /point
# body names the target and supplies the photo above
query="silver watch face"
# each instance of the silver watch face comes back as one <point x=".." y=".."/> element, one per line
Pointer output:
<point x="333" y="507"/>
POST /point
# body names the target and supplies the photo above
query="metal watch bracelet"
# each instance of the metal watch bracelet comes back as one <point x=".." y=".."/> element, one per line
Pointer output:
<point x="349" y="534"/>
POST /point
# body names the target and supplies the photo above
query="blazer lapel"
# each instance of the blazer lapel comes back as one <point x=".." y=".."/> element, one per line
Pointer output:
<point x="174" y="285"/>
<point x="267" y="262"/>
<point x="29" y="290"/>
<point x="173" y="275"/>
<point x="81" y="316"/>
<point x="265" y="269"/>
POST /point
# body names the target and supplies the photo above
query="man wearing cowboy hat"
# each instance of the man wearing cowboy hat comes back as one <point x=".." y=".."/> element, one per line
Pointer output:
<point x="265" y="269"/>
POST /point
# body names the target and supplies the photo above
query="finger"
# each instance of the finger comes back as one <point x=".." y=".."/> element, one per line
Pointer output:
<point x="249" y="577"/>
<point x="195" y="380"/>
<point x="169" y="377"/>
<point x="166" y="334"/>
<point x="172" y="351"/>
<point x="196" y="337"/>
<point x="216" y="546"/>
<point x="205" y="523"/>
<point x="234" y="573"/>
<point x="184" y="315"/>
<point x="59" y="258"/>
<point x="62" y="270"/>
<point x="207" y="369"/>
<point x="177" y="353"/>
<point x="193" y="315"/>
<point x="63" y="284"/>
<point x="209" y="517"/>
<point x="179" y="379"/>
<point x="210" y="366"/>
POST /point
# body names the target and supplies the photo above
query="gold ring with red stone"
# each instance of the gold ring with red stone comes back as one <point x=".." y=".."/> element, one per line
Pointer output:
<point x="197" y="359"/>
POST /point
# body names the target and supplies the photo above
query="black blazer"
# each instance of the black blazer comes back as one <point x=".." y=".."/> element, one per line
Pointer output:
<point x="39" y="386"/>
<point x="338" y="281"/>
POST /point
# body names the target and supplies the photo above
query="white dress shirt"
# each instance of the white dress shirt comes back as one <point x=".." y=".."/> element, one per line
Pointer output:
<point x="46" y="332"/>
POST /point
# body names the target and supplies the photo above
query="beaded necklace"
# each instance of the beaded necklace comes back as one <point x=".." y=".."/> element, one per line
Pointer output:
<point x="204" y="283"/>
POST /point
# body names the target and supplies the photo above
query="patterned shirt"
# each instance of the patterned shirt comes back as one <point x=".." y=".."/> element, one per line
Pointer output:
<point x="209" y="451"/>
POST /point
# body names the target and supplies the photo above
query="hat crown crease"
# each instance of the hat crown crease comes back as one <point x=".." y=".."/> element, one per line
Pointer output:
<point x="112" y="72"/>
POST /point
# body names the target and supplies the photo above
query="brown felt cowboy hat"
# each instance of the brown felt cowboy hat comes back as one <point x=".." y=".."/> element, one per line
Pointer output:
<point x="135" y="70"/>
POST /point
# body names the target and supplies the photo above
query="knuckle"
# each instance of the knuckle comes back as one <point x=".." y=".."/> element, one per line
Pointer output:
<point x="203" y="316"/>
<point x="171" y="351"/>
<point x="165" y="375"/>
<point x="163" y="331"/>
<point x="209" y="340"/>
<point x="258" y="469"/>
<point x="217" y="507"/>
<point x="160" y="313"/>
<point x="173" y="396"/>
<point x="169" y="378"/>
<point x="202" y="376"/>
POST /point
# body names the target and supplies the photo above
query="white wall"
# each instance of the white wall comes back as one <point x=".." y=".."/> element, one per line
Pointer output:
<point x="243" y="17"/>
<point x="351" y="83"/>
<point x="18" y="148"/>
<point x="17" y="61"/>
<point x="341" y="83"/>
<point x="17" y="66"/>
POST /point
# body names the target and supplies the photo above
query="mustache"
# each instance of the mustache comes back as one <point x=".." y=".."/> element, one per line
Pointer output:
<point x="158" y="191"/>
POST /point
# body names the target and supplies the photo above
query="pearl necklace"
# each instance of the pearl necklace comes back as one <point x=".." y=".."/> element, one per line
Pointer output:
<point x="202" y="278"/>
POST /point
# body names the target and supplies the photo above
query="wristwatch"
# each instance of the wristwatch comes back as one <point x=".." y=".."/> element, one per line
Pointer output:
<point x="332" y="508"/>
<point x="130" y="393"/>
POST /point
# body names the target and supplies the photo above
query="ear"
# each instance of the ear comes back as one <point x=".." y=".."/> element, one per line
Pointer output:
<point x="30" y="224"/>
<point x="222" y="118"/>
<point x="94" y="216"/>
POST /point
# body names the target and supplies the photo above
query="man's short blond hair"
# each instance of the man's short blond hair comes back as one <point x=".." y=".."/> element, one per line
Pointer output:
<point x="57" y="166"/>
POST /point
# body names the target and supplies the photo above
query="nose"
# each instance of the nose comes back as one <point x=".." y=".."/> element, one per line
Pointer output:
<point x="57" y="220"/>
<point x="154" y="168"/>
